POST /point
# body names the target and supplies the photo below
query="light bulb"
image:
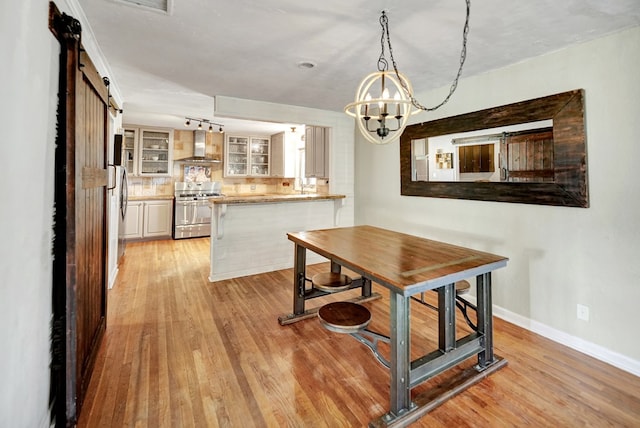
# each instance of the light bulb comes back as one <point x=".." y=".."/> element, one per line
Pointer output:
<point x="187" y="123"/>
<point x="200" y="126"/>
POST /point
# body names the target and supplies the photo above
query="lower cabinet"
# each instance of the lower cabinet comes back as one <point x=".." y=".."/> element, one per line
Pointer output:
<point x="148" y="219"/>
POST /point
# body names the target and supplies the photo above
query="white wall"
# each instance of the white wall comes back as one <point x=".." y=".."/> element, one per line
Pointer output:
<point x="559" y="256"/>
<point x="29" y="73"/>
<point x="27" y="114"/>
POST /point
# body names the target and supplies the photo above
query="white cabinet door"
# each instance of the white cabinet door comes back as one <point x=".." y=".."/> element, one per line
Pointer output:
<point x="277" y="155"/>
<point x="236" y="156"/>
<point x="283" y="155"/>
<point x="316" y="152"/>
<point x="259" y="156"/>
<point x="246" y="156"/>
<point x="129" y="151"/>
<point x="133" y="220"/>
<point x="319" y="151"/>
<point x="155" y="152"/>
<point x="148" y="151"/>
<point x="157" y="218"/>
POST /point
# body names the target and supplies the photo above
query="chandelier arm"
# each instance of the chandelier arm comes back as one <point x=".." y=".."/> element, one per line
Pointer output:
<point x="454" y="84"/>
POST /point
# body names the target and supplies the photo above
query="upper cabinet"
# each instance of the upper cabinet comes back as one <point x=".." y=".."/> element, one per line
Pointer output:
<point x="236" y="156"/>
<point x="316" y="151"/>
<point x="247" y="156"/>
<point x="283" y="156"/>
<point x="260" y="156"/>
<point x="148" y="151"/>
<point x="129" y="150"/>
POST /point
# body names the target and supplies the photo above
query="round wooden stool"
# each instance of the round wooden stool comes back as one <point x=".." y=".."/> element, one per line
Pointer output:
<point x="344" y="317"/>
<point x="331" y="282"/>
<point x="462" y="287"/>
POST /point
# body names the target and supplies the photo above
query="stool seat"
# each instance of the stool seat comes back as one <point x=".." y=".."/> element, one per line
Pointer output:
<point x="331" y="282"/>
<point x="462" y="287"/>
<point x="344" y="317"/>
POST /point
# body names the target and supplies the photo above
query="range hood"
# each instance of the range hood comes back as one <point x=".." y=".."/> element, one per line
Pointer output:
<point x="199" y="138"/>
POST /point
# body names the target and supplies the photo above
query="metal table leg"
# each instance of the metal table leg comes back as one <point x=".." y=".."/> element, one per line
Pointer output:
<point x="447" y="317"/>
<point x="400" y="358"/>
<point x="485" y="320"/>
<point x="299" y="272"/>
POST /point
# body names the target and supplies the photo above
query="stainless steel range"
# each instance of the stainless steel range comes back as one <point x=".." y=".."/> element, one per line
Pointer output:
<point x="192" y="210"/>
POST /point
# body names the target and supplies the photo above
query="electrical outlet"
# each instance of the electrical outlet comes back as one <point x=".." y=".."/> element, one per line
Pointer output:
<point x="583" y="312"/>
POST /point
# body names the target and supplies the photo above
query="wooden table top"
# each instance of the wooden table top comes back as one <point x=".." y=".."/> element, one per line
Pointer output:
<point x="406" y="264"/>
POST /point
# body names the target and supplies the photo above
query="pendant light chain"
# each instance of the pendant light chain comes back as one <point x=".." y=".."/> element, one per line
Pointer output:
<point x="383" y="65"/>
<point x="384" y="22"/>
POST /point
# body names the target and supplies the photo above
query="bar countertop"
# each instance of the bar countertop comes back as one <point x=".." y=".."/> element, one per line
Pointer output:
<point x="272" y="198"/>
<point x="132" y="198"/>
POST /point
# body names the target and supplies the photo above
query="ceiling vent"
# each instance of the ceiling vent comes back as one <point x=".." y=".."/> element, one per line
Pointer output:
<point x="156" y="5"/>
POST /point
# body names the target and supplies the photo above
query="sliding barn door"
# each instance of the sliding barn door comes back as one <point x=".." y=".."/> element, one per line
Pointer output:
<point x="81" y="212"/>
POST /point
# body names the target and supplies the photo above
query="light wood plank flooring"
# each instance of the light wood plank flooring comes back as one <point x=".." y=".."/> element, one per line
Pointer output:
<point x="182" y="352"/>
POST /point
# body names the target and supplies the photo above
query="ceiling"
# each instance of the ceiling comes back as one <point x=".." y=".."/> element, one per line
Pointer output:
<point x="168" y="66"/>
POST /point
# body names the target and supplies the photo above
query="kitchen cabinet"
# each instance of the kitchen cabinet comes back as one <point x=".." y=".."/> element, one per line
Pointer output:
<point x="157" y="218"/>
<point x="247" y="156"/>
<point x="148" y="151"/>
<point x="133" y="220"/>
<point x="129" y="150"/>
<point x="316" y="152"/>
<point x="283" y="156"/>
<point x="148" y="219"/>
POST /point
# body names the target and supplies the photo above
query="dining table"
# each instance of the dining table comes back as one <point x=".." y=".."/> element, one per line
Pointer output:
<point x="408" y="266"/>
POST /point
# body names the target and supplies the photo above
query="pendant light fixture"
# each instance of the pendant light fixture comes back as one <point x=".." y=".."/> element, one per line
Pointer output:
<point x="382" y="119"/>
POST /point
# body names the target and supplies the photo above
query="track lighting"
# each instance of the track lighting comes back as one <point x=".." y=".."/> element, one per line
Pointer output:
<point x="205" y="121"/>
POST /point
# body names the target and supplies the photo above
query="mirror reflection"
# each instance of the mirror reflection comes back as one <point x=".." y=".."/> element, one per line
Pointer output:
<point x="488" y="155"/>
<point x="517" y="153"/>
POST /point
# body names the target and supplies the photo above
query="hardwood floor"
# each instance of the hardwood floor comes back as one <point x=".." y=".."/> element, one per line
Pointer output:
<point x="182" y="352"/>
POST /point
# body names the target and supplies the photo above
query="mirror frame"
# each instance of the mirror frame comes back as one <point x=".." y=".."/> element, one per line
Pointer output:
<point x="569" y="187"/>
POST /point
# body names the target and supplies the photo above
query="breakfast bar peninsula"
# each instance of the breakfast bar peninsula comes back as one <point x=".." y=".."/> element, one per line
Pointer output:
<point x="249" y="232"/>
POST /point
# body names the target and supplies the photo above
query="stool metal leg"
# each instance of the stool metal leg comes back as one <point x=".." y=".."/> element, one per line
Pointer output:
<point x="373" y="344"/>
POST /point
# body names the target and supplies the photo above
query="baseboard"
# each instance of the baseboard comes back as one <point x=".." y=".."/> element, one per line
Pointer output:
<point x="596" y="351"/>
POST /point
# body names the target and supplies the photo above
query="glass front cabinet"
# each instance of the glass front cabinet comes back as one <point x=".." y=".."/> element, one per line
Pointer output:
<point x="148" y="152"/>
<point x="129" y="150"/>
<point x="247" y="156"/>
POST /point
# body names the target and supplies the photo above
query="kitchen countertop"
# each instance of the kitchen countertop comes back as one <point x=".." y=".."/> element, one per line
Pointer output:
<point x="271" y="198"/>
<point x="150" y="198"/>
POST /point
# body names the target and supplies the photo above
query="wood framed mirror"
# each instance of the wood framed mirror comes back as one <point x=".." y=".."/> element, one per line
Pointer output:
<point x="564" y="181"/>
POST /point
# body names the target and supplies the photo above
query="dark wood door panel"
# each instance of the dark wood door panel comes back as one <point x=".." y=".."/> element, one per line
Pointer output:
<point x="90" y="201"/>
<point x="80" y="243"/>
